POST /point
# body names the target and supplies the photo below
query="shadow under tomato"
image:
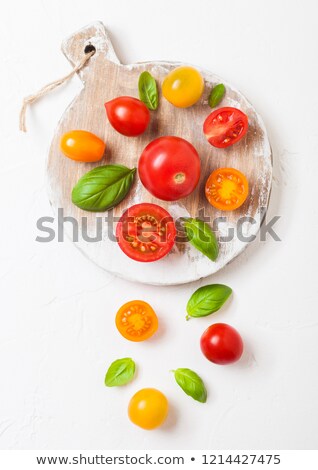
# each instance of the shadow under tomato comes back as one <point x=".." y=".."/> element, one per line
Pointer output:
<point x="172" y="418"/>
<point x="162" y="328"/>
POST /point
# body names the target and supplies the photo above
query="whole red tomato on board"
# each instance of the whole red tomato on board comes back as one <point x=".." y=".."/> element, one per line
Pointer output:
<point x="221" y="344"/>
<point x="127" y="115"/>
<point x="146" y="232"/>
<point x="169" y="167"/>
<point x="225" y="126"/>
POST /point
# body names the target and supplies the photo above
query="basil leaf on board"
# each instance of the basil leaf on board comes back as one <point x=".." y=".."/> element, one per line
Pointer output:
<point x="120" y="372"/>
<point x="103" y="187"/>
<point x="148" y="92"/>
<point x="207" y="299"/>
<point x="191" y="384"/>
<point x="216" y="95"/>
<point x="200" y="235"/>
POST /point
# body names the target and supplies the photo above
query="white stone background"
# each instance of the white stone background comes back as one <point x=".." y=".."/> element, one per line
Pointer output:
<point x="57" y="333"/>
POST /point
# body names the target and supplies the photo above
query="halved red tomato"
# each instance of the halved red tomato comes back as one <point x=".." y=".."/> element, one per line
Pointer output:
<point x="146" y="232"/>
<point x="225" y="126"/>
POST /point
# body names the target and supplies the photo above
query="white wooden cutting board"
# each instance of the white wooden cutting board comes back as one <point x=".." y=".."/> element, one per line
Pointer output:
<point x="104" y="78"/>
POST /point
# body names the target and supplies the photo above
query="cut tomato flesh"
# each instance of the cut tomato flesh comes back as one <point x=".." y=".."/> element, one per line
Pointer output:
<point x="136" y="320"/>
<point x="225" y="126"/>
<point x="146" y="232"/>
<point x="226" y="188"/>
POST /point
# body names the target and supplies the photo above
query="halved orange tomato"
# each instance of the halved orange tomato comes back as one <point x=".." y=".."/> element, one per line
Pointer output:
<point x="226" y="189"/>
<point x="136" y="320"/>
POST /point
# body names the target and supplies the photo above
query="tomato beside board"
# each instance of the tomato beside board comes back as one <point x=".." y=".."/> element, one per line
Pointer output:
<point x="128" y="116"/>
<point x="148" y="408"/>
<point x="169" y="167"/>
<point x="225" y="126"/>
<point x="226" y="189"/>
<point x="146" y="232"/>
<point x="136" y="320"/>
<point x="82" y="146"/>
<point x="221" y="344"/>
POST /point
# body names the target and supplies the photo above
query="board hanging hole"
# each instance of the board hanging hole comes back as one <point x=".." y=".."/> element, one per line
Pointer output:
<point x="89" y="48"/>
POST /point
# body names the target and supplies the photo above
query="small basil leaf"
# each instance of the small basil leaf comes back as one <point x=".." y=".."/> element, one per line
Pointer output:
<point x="103" y="187"/>
<point x="201" y="237"/>
<point x="120" y="372"/>
<point x="148" y="92"/>
<point x="216" y="95"/>
<point x="191" y="384"/>
<point x="207" y="299"/>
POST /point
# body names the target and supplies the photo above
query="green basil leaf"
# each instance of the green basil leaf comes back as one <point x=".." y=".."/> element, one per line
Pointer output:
<point x="191" y="384"/>
<point x="103" y="187"/>
<point x="120" y="372"/>
<point x="207" y="299"/>
<point x="201" y="237"/>
<point x="216" y="95"/>
<point x="148" y="92"/>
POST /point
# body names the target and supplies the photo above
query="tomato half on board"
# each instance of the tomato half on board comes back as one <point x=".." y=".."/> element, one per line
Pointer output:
<point x="146" y="232"/>
<point x="225" y="126"/>
<point x="226" y="189"/>
<point x="136" y="320"/>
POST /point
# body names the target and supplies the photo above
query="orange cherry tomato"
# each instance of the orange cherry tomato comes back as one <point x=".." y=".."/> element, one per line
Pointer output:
<point x="148" y="408"/>
<point x="226" y="189"/>
<point x="136" y="320"/>
<point x="82" y="146"/>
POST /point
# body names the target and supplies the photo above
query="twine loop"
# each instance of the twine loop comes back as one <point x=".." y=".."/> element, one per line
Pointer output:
<point x="28" y="100"/>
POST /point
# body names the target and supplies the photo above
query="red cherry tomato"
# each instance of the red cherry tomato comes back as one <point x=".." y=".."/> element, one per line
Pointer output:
<point x="169" y="167"/>
<point x="225" y="126"/>
<point x="146" y="232"/>
<point x="128" y="115"/>
<point x="221" y="344"/>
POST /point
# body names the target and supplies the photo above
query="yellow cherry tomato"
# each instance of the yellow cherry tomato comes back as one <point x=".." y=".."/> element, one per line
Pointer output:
<point x="82" y="146"/>
<point x="148" y="408"/>
<point x="183" y="86"/>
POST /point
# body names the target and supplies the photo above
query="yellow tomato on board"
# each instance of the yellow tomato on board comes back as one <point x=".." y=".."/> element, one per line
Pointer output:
<point x="148" y="408"/>
<point x="183" y="86"/>
<point x="82" y="146"/>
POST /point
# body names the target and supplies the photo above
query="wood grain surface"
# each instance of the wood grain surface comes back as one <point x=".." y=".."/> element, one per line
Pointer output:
<point x="105" y="78"/>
